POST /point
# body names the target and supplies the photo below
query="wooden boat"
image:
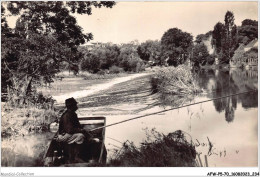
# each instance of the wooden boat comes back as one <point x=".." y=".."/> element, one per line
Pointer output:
<point x="92" y="151"/>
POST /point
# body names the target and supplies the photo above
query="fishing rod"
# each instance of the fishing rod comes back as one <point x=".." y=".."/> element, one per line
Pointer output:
<point x="138" y="117"/>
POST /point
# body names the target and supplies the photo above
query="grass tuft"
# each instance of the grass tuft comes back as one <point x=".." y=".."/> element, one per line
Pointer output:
<point x="158" y="150"/>
<point x="177" y="81"/>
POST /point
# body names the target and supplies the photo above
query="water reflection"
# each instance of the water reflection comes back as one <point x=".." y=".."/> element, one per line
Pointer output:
<point x="27" y="151"/>
<point x="174" y="100"/>
<point x="226" y="82"/>
<point x="220" y="83"/>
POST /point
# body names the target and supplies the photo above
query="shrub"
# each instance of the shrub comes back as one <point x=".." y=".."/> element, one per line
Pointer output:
<point x="211" y="59"/>
<point x="115" y="69"/>
<point x="158" y="150"/>
<point x="21" y="121"/>
<point x="176" y="81"/>
<point x="200" y="54"/>
<point x="101" y="72"/>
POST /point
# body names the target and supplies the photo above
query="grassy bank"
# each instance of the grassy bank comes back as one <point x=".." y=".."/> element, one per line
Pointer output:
<point x="25" y="135"/>
<point x="23" y="121"/>
<point x="176" y="81"/>
<point x="24" y="151"/>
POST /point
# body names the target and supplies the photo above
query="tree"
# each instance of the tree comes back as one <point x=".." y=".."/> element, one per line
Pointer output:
<point x="176" y="46"/>
<point x="249" y="22"/>
<point x="200" y="54"/>
<point x="129" y="59"/>
<point x="217" y="36"/>
<point x="45" y="35"/>
<point x="30" y="62"/>
<point x="90" y="63"/>
<point x="199" y="38"/>
<point x="150" y="51"/>
<point x="229" y="37"/>
<point x="111" y="56"/>
<point x="248" y="31"/>
<point x="100" y="58"/>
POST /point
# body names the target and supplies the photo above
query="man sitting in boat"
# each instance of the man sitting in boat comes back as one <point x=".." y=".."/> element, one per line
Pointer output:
<point x="71" y="133"/>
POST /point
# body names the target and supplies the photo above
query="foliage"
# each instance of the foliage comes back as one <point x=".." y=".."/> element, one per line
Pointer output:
<point x="211" y="59"/>
<point x="150" y="51"/>
<point x="55" y="17"/>
<point x="45" y="35"/>
<point x="129" y="59"/>
<point x="176" y="81"/>
<point x="158" y="150"/>
<point x="104" y="56"/>
<point x="91" y="63"/>
<point x="199" y="38"/>
<point x="217" y="36"/>
<point x="249" y="22"/>
<point x="24" y="151"/>
<point x="229" y="42"/>
<point x="113" y="57"/>
<point x="200" y="54"/>
<point x="225" y="38"/>
<point x="176" y="46"/>
<point x="115" y="69"/>
<point x="29" y="62"/>
<point x="22" y="121"/>
<point x="248" y="31"/>
<point x="202" y="37"/>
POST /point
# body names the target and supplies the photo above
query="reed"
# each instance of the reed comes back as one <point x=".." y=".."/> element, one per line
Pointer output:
<point x="23" y="121"/>
<point x="158" y="150"/>
<point x="176" y="81"/>
<point x="24" y="151"/>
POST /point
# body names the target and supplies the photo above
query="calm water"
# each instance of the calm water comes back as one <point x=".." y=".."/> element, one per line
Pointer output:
<point x="229" y="124"/>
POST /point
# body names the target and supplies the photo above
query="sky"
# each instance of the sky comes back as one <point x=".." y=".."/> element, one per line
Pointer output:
<point x="128" y="21"/>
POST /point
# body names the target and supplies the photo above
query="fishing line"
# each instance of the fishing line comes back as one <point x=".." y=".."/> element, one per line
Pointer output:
<point x="138" y="117"/>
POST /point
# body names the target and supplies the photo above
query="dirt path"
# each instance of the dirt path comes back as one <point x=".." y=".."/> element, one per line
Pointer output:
<point x="96" y="88"/>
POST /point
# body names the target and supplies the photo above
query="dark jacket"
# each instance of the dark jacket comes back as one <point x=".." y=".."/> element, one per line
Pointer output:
<point x="69" y="123"/>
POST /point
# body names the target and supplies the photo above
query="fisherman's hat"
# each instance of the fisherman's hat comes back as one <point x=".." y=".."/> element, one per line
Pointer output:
<point x="70" y="101"/>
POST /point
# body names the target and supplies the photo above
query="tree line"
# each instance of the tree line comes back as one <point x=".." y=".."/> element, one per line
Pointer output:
<point x="174" y="48"/>
<point x="226" y="38"/>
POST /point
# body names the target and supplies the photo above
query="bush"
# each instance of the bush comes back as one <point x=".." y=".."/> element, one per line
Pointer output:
<point x="176" y="81"/>
<point x="33" y="99"/>
<point x="90" y="63"/>
<point x="140" y="67"/>
<point x="115" y="69"/>
<point x="158" y="150"/>
<point x="211" y="59"/>
<point x="101" y="72"/>
<point x="200" y="54"/>
<point x="21" y="121"/>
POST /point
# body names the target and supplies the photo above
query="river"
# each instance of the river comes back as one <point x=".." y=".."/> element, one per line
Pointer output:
<point x="230" y="125"/>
